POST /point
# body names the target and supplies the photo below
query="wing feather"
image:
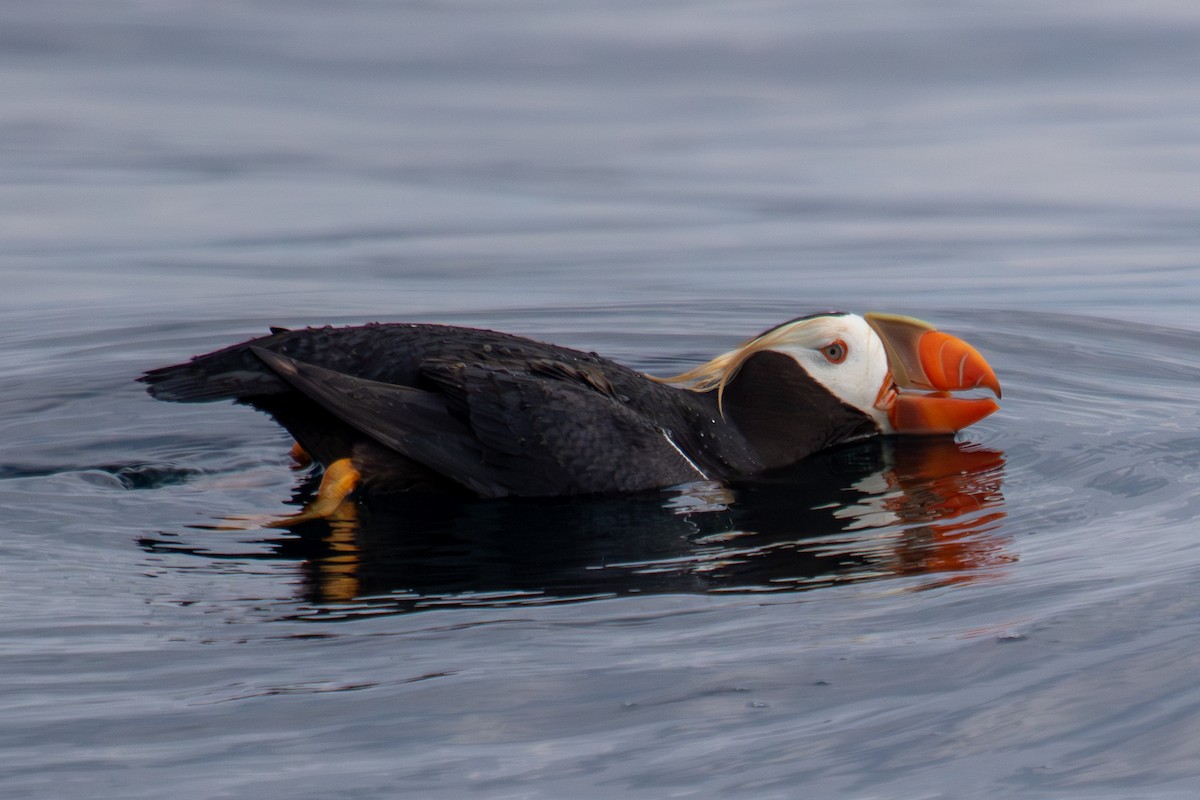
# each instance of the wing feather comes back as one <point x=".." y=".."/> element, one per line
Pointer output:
<point x="502" y="431"/>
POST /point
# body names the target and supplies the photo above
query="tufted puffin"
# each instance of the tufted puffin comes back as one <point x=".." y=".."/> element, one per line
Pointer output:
<point x="409" y="407"/>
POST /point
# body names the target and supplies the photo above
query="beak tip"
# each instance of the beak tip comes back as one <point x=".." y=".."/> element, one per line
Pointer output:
<point x="923" y="358"/>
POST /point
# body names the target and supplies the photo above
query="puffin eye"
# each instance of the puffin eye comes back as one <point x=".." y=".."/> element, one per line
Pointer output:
<point x="835" y="352"/>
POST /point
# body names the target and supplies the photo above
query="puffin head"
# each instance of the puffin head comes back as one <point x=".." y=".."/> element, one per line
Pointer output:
<point x="897" y="371"/>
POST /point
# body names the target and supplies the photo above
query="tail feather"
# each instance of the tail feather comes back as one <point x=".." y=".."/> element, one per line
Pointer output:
<point x="231" y="374"/>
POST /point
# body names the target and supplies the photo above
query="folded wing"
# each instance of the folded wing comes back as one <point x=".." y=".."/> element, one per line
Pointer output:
<point x="547" y="428"/>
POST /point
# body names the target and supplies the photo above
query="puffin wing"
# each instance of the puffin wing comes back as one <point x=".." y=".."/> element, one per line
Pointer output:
<point x="549" y="427"/>
<point x="558" y="427"/>
<point x="410" y="421"/>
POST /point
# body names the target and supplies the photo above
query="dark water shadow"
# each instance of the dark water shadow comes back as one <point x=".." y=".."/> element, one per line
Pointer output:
<point x="864" y="512"/>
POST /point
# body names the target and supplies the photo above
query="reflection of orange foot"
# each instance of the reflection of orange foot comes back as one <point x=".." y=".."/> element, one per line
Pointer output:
<point x="300" y="457"/>
<point x="340" y="479"/>
<point x="337" y="572"/>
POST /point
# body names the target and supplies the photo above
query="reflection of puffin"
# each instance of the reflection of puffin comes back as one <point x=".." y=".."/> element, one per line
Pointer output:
<point x="930" y="509"/>
<point x="400" y="407"/>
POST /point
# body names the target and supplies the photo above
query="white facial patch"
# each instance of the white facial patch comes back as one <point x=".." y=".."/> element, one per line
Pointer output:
<point x="856" y="380"/>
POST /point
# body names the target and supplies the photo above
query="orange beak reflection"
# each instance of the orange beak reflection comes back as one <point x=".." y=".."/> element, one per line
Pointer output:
<point x="934" y="364"/>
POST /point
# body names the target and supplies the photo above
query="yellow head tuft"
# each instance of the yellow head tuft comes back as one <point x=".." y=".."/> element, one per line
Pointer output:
<point x="717" y="373"/>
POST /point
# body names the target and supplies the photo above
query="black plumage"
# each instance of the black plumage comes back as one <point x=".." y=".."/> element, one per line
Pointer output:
<point x="438" y="407"/>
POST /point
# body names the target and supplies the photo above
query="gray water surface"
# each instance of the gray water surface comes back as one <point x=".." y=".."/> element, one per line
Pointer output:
<point x="1008" y="614"/>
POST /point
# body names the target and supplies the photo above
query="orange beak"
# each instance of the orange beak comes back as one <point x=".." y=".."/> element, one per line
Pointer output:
<point x="934" y="363"/>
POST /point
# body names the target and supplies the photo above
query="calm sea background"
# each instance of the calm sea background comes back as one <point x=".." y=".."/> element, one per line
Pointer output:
<point x="1011" y="614"/>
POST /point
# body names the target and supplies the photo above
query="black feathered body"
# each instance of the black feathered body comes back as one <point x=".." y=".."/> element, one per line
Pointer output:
<point x="440" y="407"/>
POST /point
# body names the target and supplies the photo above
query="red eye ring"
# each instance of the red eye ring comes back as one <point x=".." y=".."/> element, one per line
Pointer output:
<point x="835" y="352"/>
